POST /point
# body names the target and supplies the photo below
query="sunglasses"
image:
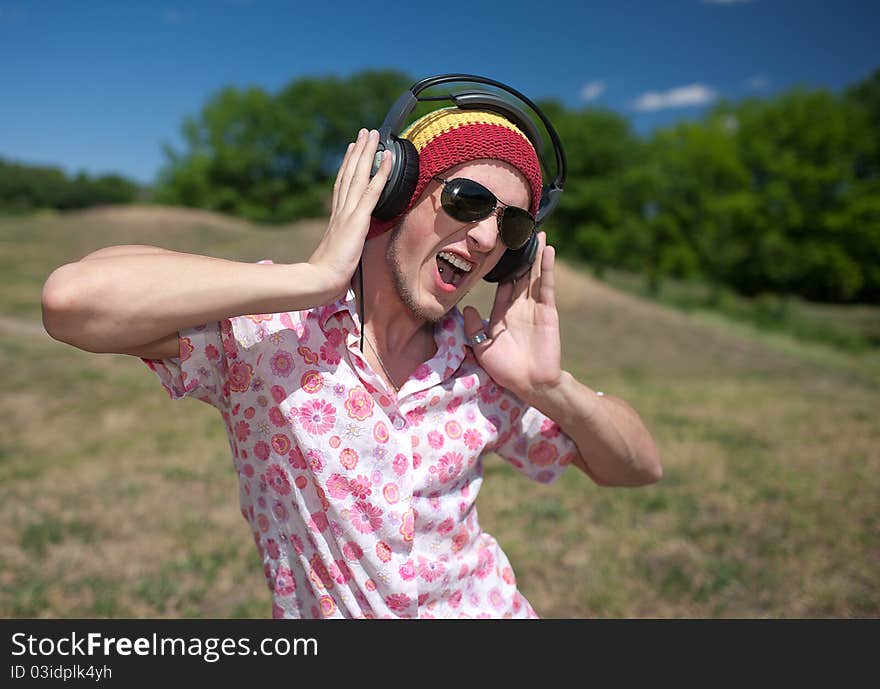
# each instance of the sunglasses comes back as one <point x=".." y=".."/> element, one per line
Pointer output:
<point x="468" y="201"/>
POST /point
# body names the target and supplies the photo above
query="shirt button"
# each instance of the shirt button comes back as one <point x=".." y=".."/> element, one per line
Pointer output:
<point x="399" y="423"/>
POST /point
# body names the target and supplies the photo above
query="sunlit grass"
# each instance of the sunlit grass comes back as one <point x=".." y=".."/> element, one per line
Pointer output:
<point x="116" y="502"/>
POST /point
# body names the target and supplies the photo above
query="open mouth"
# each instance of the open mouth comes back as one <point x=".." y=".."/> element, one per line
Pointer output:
<point x="452" y="268"/>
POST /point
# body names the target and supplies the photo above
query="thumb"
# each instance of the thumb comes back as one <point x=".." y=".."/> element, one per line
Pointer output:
<point x="473" y="325"/>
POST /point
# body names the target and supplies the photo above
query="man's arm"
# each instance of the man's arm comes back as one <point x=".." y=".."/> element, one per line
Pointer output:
<point x="135" y="299"/>
<point x="614" y="447"/>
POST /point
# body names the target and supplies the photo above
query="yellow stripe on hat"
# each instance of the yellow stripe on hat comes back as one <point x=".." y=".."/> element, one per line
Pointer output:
<point x="426" y="129"/>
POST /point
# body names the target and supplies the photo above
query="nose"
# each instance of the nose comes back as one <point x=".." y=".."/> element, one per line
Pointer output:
<point x="483" y="235"/>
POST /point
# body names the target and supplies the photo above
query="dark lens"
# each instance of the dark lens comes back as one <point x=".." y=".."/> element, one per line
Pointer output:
<point x="467" y="200"/>
<point x="516" y="227"/>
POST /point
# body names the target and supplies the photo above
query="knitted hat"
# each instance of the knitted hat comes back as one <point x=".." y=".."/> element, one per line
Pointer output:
<point x="444" y="138"/>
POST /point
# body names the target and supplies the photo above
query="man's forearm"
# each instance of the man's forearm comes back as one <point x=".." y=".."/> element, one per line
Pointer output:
<point x="615" y="447"/>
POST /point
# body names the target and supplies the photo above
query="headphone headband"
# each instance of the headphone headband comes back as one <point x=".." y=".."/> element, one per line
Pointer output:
<point x="407" y="102"/>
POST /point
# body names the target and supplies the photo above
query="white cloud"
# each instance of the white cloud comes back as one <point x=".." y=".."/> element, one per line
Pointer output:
<point x="681" y="97"/>
<point x="757" y="82"/>
<point x="592" y="90"/>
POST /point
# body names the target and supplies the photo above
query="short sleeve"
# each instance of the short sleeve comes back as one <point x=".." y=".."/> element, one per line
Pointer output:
<point x="529" y="440"/>
<point x="201" y="370"/>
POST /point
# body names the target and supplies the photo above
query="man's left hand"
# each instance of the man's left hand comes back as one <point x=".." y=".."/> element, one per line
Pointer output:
<point x="523" y="351"/>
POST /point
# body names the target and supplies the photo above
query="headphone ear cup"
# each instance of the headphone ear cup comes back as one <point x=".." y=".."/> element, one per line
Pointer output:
<point x="401" y="182"/>
<point x="514" y="263"/>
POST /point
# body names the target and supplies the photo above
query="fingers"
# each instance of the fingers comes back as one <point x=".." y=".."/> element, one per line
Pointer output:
<point x="354" y="173"/>
<point x="535" y="271"/>
<point x="346" y="170"/>
<point x="547" y="291"/>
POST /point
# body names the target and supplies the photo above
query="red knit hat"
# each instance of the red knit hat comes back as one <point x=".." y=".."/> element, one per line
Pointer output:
<point x="445" y="138"/>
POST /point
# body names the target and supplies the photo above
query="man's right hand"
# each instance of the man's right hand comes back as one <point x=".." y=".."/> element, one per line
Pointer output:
<point x="354" y="197"/>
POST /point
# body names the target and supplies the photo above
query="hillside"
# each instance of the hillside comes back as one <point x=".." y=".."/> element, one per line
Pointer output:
<point x="118" y="502"/>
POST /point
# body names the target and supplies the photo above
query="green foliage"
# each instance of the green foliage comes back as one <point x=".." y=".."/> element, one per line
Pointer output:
<point x="764" y="196"/>
<point x="29" y="187"/>
<point x="273" y="157"/>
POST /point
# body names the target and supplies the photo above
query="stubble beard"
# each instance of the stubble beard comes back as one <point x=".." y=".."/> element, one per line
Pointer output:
<point x="395" y="264"/>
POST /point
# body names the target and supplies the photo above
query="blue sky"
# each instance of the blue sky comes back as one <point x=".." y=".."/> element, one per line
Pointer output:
<point x="100" y="86"/>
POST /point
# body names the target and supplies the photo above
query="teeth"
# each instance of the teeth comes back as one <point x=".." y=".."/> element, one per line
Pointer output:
<point x="458" y="262"/>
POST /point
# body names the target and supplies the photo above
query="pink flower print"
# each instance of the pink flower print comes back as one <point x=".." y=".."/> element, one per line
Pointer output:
<point x="449" y="467"/>
<point x="398" y="601"/>
<point x="453" y="430"/>
<point x="318" y="573"/>
<point x="485" y="562"/>
<point x="317" y="416"/>
<point x="408" y="524"/>
<point x="282" y="363"/>
<point x="278" y="394"/>
<point x="383" y="551"/>
<point x="445" y="527"/>
<point x="242" y="430"/>
<point x="496" y="600"/>
<point x="276" y="417"/>
<point x="543" y="453"/>
<point x="297" y="544"/>
<point x="186" y="348"/>
<point x="360" y="487"/>
<point x="315" y="460"/>
<point x="490" y="393"/>
<point x="240" y="375"/>
<point x="352" y="551"/>
<point x="399" y="464"/>
<point x="435" y="440"/>
<point x="453" y="405"/>
<point x="459" y="540"/>
<point x="280" y="511"/>
<point x="278" y="479"/>
<point x="337" y="486"/>
<point x="473" y="439"/>
<point x="407" y="571"/>
<point x="391" y="493"/>
<point x="380" y="432"/>
<point x="462" y="572"/>
<point x="285" y="583"/>
<point x="429" y="570"/>
<point x="422" y="372"/>
<point x="455" y="599"/>
<point x="280" y="443"/>
<point x="416" y="416"/>
<point x="296" y="459"/>
<point x="328" y="606"/>
<point x="348" y="458"/>
<point x="417" y="460"/>
<point x="272" y="548"/>
<point x="330" y="352"/>
<point x="359" y="404"/>
<point x="318" y="522"/>
<point x="261" y="450"/>
<point x="212" y="353"/>
<point x="366" y="517"/>
<point x="311" y="381"/>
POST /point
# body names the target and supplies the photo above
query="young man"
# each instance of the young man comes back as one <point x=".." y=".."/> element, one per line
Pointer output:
<point x="359" y="466"/>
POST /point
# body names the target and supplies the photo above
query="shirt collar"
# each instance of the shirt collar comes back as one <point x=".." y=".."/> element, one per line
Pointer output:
<point x="449" y="334"/>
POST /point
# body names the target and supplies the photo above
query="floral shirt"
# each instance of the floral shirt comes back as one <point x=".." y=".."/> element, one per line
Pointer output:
<point x="362" y="501"/>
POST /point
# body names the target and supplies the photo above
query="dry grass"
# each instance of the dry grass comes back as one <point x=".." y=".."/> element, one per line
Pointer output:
<point x="117" y="502"/>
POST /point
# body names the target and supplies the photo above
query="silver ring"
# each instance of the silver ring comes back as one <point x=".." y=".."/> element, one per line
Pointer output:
<point x="479" y="338"/>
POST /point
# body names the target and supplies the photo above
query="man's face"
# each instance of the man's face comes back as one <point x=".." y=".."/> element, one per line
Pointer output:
<point x="427" y="283"/>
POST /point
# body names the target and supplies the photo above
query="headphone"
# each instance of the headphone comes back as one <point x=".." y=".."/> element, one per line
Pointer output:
<point x="405" y="166"/>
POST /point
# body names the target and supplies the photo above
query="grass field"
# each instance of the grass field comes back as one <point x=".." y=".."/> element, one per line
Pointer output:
<point x="117" y="502"/>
